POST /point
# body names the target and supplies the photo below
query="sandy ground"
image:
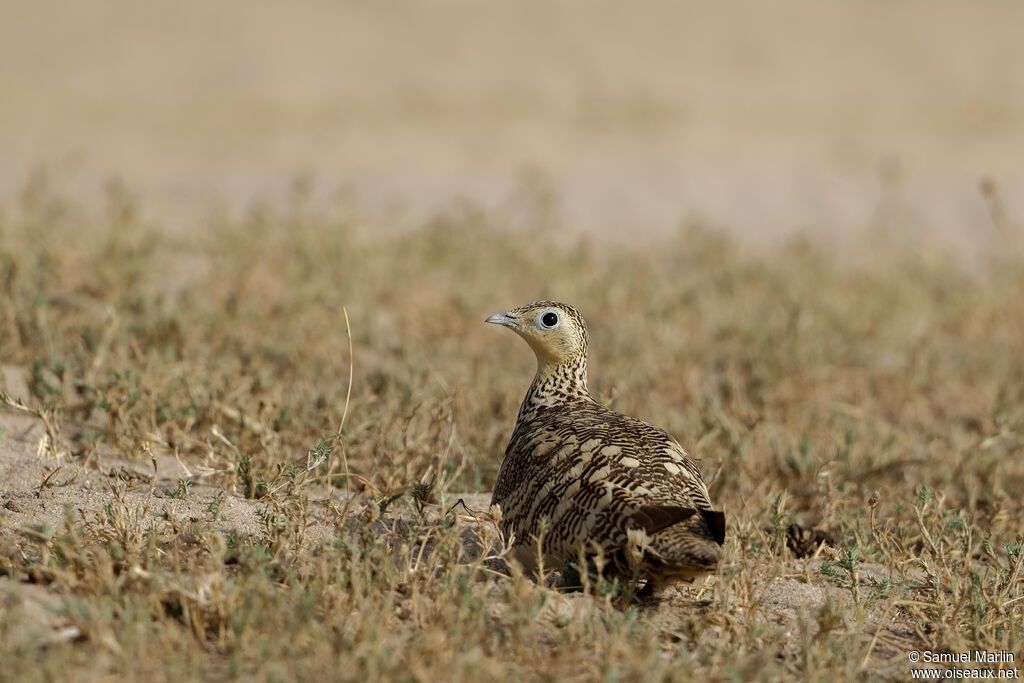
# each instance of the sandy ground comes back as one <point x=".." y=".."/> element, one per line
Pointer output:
<point x="765" y="117"/>
<point x="38" y="492"/>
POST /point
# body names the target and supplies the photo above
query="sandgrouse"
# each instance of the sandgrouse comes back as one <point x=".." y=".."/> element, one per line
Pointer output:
<point x="578" y="476"/>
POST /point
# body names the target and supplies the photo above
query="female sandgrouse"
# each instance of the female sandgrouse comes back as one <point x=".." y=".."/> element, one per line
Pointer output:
<point x="578" y="476"/>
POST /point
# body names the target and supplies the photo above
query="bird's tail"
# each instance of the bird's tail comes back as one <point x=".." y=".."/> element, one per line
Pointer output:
<point x="689" y="548"/>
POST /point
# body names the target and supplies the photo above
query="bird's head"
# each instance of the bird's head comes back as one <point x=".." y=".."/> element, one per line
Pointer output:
<point x="556" y="332"/>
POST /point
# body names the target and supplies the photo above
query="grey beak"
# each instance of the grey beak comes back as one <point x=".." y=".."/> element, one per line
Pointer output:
<point x="502" y="319"/>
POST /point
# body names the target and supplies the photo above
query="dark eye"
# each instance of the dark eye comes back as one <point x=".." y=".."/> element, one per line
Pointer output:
<point x="549" y="319"/>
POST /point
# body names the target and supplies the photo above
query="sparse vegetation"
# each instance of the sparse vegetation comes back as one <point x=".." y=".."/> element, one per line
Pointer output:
<point x="212" y="519"/>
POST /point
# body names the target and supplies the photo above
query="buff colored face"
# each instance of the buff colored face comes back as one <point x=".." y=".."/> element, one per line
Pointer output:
<point x="551" y="332"/>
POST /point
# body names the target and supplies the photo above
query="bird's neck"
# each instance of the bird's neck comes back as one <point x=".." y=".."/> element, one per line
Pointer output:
<point x="556" y="384"/>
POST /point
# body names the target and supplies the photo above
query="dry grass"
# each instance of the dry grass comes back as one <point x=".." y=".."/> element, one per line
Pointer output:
<point x="881" y="400"/>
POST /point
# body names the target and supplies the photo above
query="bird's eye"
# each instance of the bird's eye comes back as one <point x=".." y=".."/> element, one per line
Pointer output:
<point x="549" y="319"/>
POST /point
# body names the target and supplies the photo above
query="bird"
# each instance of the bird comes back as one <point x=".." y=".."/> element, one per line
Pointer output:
<point x="578" y="477"/>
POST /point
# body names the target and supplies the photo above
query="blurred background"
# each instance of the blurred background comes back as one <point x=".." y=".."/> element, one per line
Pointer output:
<point x="764" y="118"/>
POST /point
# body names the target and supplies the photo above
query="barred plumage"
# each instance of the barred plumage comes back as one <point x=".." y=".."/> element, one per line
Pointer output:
<point x="578" y="475"/>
